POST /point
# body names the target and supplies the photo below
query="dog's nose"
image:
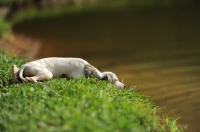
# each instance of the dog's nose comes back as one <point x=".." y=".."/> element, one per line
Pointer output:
<point x="124" y="86"/>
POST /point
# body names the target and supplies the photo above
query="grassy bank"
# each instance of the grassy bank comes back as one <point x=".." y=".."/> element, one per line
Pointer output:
<point x="75" y="105"/>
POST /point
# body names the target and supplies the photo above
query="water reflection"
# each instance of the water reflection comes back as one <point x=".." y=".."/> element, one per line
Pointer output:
<point x="155" y="49"/>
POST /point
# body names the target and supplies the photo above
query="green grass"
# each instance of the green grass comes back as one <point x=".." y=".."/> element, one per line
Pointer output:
<point x="78" y="105"/>
<point x="35" y="13"/>
<point x="6" y="1"/>
<point x="54" y="11"/>
<point x="4" y="27"/>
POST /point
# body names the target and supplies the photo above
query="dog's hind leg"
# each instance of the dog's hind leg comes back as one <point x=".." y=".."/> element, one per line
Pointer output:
<point x="39" y="74"/>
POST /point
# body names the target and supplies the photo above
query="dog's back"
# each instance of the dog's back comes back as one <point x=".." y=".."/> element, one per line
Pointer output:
<point x="58" y="65"/>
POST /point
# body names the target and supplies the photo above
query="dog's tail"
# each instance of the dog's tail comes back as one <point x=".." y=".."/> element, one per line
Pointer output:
<point x="21" y="73"/>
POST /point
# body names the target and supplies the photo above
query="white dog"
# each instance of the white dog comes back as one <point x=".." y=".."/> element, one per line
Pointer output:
<point x="69" y="68"/>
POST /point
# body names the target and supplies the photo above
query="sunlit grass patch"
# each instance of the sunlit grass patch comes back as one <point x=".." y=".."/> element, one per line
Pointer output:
<point x="75" y="105"/>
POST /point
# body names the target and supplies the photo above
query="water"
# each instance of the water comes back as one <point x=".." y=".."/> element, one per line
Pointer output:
<point x="157" y="50"/>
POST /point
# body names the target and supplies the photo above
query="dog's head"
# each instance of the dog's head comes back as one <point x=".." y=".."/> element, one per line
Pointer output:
<point x="112" y="78"/>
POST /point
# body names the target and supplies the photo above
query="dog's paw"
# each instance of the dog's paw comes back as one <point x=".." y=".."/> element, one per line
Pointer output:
<point x="15" y="74"/>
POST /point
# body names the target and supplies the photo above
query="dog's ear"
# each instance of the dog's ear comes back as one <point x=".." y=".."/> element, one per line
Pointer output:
<point x="105" y="77"/>
<point x="108" y="78"/>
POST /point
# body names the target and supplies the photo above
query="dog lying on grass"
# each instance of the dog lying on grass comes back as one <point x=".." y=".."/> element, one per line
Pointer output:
<point x="69" y="68"/>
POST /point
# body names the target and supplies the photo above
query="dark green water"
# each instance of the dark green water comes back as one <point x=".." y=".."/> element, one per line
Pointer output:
<point x="157" y="50"/>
